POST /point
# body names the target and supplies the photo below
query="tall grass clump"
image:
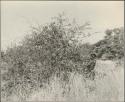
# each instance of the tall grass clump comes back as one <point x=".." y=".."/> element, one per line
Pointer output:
<point x="107" y="86"/>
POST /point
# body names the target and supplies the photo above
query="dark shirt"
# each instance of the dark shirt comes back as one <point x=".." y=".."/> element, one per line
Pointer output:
<point x="89" y="65"/>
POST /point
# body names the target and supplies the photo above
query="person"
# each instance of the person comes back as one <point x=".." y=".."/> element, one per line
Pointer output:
<point x="90" y="66"/>
<point x="92" y="62"/>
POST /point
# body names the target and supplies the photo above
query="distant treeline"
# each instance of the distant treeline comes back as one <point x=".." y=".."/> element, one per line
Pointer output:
<point x="112" y="46"/>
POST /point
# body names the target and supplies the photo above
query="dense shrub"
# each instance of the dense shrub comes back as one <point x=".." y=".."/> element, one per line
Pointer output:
<point x="50" y="50"/>
<point x="112" y="46"/>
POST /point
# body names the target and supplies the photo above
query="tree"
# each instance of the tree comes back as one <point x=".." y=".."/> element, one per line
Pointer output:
<point x="51" y="50"/>
<point x="112" y="46"/>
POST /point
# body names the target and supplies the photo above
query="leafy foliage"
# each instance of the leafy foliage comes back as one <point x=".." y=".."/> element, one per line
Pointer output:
<point x="112" y="46"/>
<point x="54" y="50"/>
<point x="51" y="50"/>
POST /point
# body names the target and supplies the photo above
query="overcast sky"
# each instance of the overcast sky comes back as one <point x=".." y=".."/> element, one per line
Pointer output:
<point x="17" y="16"/>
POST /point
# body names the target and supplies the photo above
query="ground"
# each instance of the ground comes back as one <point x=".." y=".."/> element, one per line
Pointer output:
<point x="107" y="86"/>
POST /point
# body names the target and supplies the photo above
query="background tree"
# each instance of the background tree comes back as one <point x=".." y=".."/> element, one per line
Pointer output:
<point x="112" y="46"/>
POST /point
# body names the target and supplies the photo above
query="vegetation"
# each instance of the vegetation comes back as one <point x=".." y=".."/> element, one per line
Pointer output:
<point x="112" y="46"/>
<point x="53" y="50"/>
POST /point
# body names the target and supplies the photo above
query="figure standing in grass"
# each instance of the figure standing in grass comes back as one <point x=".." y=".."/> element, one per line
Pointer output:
<point x="89" y="67"/>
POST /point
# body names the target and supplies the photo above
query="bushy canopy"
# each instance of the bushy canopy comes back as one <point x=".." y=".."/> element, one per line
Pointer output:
<point x="112" y="46"/>
<point x="50" y="50"/>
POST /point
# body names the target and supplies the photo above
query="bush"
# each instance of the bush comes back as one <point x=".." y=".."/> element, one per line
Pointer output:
<point x="112" y="46"/>
<point x="50" y="50"/>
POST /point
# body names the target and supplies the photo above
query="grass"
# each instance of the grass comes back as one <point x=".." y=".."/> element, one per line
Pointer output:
<point x="107" y="86"/>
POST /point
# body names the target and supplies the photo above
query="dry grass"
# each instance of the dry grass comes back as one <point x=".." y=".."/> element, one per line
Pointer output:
<point x="107" y="86"/>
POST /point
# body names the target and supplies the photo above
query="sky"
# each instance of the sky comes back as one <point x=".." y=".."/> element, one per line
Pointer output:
<point x="18" y="16"/>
